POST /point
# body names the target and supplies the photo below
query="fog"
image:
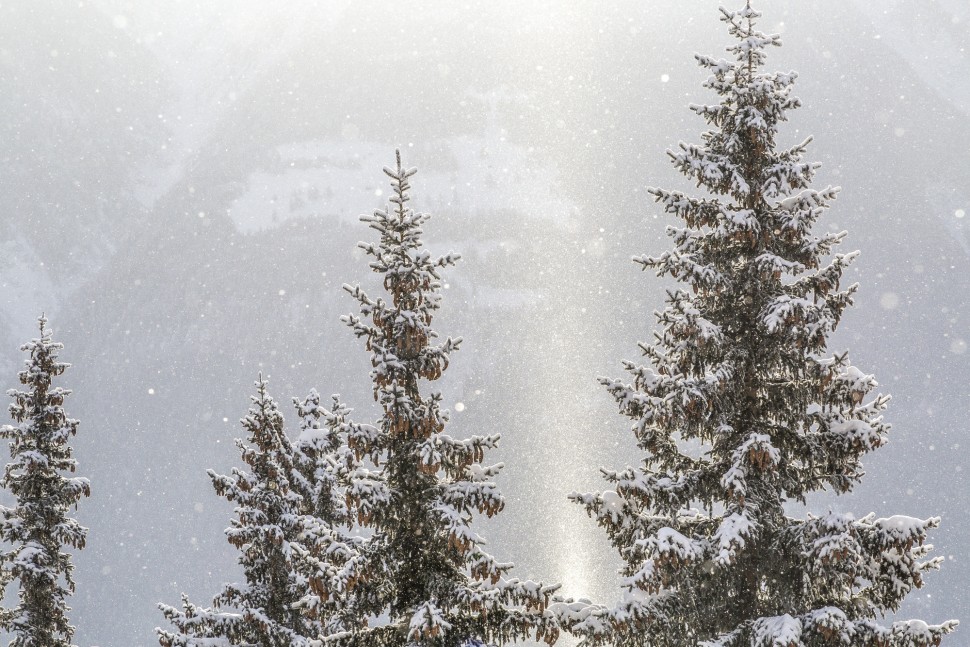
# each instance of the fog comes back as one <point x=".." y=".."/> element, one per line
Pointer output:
<point x="181" y="184"/>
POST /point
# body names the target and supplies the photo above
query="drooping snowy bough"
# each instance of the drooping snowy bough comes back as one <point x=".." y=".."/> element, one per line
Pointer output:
<point x="740" y="410"/>
<point x="330" y="556"/>
<point x="428" y="580"/>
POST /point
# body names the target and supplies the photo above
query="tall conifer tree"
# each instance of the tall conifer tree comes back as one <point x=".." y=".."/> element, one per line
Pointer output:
<point x="37" y="528"/>
<point x="434" y="583"/>
<point x="741" y="411"/>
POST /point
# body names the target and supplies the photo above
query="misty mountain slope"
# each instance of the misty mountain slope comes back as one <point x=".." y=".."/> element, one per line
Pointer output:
<point x="78" y="102"/>
<point x="471" y="176"/>
<point x="26" y="291"/>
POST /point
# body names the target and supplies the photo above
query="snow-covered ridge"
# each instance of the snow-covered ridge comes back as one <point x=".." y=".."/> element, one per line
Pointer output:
<point x="471" y="174"/>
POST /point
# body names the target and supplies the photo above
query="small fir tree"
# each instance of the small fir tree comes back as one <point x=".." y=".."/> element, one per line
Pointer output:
<point x="37" y="528"/>
<point x="428" y="576"/>
<point x="741" y="412"/>
<point x="276" y="533"/>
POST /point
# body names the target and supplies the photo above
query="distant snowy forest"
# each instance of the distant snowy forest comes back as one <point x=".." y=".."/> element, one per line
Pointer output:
<point x="184" y="187"/>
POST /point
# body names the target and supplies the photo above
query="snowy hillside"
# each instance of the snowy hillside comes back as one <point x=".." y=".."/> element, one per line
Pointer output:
<point x="473" y="176"/>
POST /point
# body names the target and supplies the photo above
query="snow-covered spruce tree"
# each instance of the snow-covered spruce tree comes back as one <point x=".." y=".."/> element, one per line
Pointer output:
<point x="275" y="531"/>
<point x="434" y="583"/>
<point x="37" y="528"/>
<point x="740" y="410"/>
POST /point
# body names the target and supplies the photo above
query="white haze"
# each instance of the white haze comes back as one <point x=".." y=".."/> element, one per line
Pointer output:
<point x="181" y="183"/>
